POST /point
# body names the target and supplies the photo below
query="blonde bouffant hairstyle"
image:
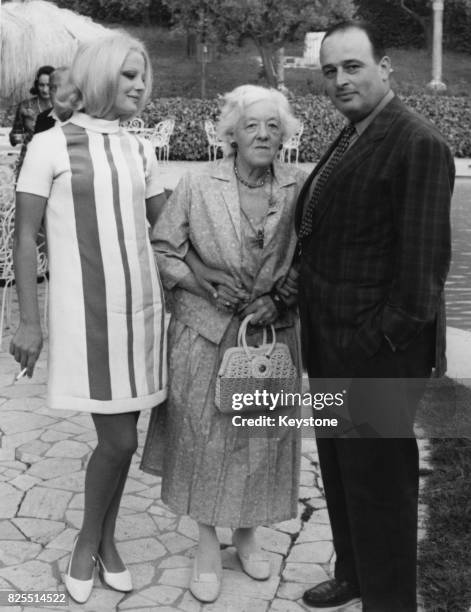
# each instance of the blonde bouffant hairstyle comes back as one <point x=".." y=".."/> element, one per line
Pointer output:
<point x="239" y="99"/>
<point x="95" y="72"/>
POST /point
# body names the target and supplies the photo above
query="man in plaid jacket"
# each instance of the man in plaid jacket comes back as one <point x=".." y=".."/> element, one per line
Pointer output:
<point x="373" y="223"/>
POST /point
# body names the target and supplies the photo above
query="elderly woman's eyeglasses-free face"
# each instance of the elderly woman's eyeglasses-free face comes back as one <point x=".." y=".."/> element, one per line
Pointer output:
<point x="258" y="134"/>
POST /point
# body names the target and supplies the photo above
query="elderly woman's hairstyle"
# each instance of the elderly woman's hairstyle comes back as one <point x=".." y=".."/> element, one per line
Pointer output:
<point x="43" y="70"/>
<point x="95" y="73"/>
<point x="236" y="103"/>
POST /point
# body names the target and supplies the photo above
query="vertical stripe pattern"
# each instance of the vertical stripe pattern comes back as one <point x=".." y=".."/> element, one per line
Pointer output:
<point x="143" y="252"/>
<point x="160" y="348"/>
<point x="125" y="262"/>
<point x="107" y="319"/>
<point x="93" y="276"/>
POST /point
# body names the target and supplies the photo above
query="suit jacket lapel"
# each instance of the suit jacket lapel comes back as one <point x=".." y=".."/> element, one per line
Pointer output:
<point x="360" y="150"/>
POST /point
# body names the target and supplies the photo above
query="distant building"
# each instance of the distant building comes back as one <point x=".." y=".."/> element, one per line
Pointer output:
<point x="312" y="47"/>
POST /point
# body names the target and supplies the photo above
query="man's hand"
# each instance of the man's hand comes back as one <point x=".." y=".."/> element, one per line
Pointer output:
<point x="289" y="288"/>
<point x="263" y="309"/>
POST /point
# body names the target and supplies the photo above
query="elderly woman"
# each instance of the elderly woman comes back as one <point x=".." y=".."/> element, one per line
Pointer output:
<point x="99" y="188"/>
<point x="237" y="218"/>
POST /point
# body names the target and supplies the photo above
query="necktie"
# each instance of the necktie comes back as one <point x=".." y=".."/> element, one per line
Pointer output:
<point x="344" y="141"/>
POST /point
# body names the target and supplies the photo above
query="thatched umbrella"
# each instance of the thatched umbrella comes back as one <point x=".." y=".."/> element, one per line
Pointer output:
<point x="34" y="33"/>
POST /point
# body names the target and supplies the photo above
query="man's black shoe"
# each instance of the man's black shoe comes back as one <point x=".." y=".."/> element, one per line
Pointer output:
<point x="331" y="593"/>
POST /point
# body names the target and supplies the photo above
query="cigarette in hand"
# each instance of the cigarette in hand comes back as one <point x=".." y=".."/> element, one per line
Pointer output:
<point x="20" y="375"/>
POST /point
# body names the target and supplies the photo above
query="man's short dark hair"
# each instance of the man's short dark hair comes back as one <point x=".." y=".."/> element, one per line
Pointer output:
<point x="373" y="35"/>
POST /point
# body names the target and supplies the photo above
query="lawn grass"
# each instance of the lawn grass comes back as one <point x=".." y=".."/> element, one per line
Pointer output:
<point x="176" y="75"/>
<point x="445" y="553"/>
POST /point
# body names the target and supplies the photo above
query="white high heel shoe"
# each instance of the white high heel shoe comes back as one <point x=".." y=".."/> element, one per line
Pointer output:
<point x="119" y="581"/>
<point x="79" y="590"/>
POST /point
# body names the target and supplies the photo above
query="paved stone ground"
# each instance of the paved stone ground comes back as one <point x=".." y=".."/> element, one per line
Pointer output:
<point x="43" y="454"/>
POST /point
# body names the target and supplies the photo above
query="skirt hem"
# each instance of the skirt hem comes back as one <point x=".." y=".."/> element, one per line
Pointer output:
<point x="232" y="525"/>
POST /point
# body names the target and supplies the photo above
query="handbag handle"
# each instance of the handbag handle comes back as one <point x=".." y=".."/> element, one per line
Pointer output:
<point x="243" y="330"/>
<point x="242" y="339"/>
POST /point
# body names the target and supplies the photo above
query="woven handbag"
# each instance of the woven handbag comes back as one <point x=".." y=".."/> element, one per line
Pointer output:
<point x="247" y="369"/>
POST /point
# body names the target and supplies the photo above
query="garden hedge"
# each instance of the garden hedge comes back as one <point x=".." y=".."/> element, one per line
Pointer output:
<point x="451" y="115"/>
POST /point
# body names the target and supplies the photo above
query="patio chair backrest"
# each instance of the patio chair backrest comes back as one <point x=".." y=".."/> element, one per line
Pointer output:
<point x="211" y="133"/>
<point x="7" y="182"/>
<point x="7" y="228"/>
<point x="294" y="141"/>
<point x="133" y="124"/>
<point x="162" y="132"/>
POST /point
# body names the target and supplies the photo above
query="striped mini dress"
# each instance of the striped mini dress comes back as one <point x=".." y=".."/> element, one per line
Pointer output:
<point x="107" y="346"/>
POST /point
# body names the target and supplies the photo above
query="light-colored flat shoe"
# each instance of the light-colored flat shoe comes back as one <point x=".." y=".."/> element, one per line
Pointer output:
<point x="205" y="587"/>
<point x="119" y="581"/>
<point x="255" y="564"/>
<point x="79" y="590"/>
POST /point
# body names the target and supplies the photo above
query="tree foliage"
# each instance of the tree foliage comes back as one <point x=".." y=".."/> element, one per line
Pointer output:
<point x="120" y="11"/>
<point x="269" y="23"/>
<point x="410" y="22"/>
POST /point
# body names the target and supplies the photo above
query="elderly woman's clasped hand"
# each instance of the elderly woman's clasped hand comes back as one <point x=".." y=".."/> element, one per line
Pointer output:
<point x="228" y="295"/>
<point x="231" y="299"/>
<point x="236" y="300"/>
<point x="263" y="309"/>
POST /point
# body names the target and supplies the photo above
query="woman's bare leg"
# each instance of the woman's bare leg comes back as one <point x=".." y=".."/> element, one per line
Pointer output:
<point x="208" y="554"/>
<point x="104" y="483"/>
<point x="107" y="548"/>
<point x="246" y="541"/>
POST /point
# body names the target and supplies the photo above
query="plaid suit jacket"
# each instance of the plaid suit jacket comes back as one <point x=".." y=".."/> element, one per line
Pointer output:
<point x="376" y="262"/>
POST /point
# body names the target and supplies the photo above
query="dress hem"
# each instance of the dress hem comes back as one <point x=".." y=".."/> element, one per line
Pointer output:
<point x="115" y="406"/>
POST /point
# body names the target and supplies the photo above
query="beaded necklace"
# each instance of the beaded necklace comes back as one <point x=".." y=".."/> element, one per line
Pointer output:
<point x="260" y="183"/>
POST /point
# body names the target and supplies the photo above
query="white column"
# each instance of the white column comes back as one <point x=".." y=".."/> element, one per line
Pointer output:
<point x="436" y="84"/>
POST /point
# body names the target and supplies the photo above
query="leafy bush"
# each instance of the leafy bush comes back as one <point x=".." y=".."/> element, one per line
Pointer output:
<point x="188" y="141"/>
<point x="451" y="115"/>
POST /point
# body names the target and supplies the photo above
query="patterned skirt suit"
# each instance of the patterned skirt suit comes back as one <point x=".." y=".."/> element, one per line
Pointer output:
<point x="211" y="470"/>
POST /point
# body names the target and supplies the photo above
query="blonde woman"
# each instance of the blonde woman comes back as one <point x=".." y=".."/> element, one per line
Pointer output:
<point x="99" y="189"/>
